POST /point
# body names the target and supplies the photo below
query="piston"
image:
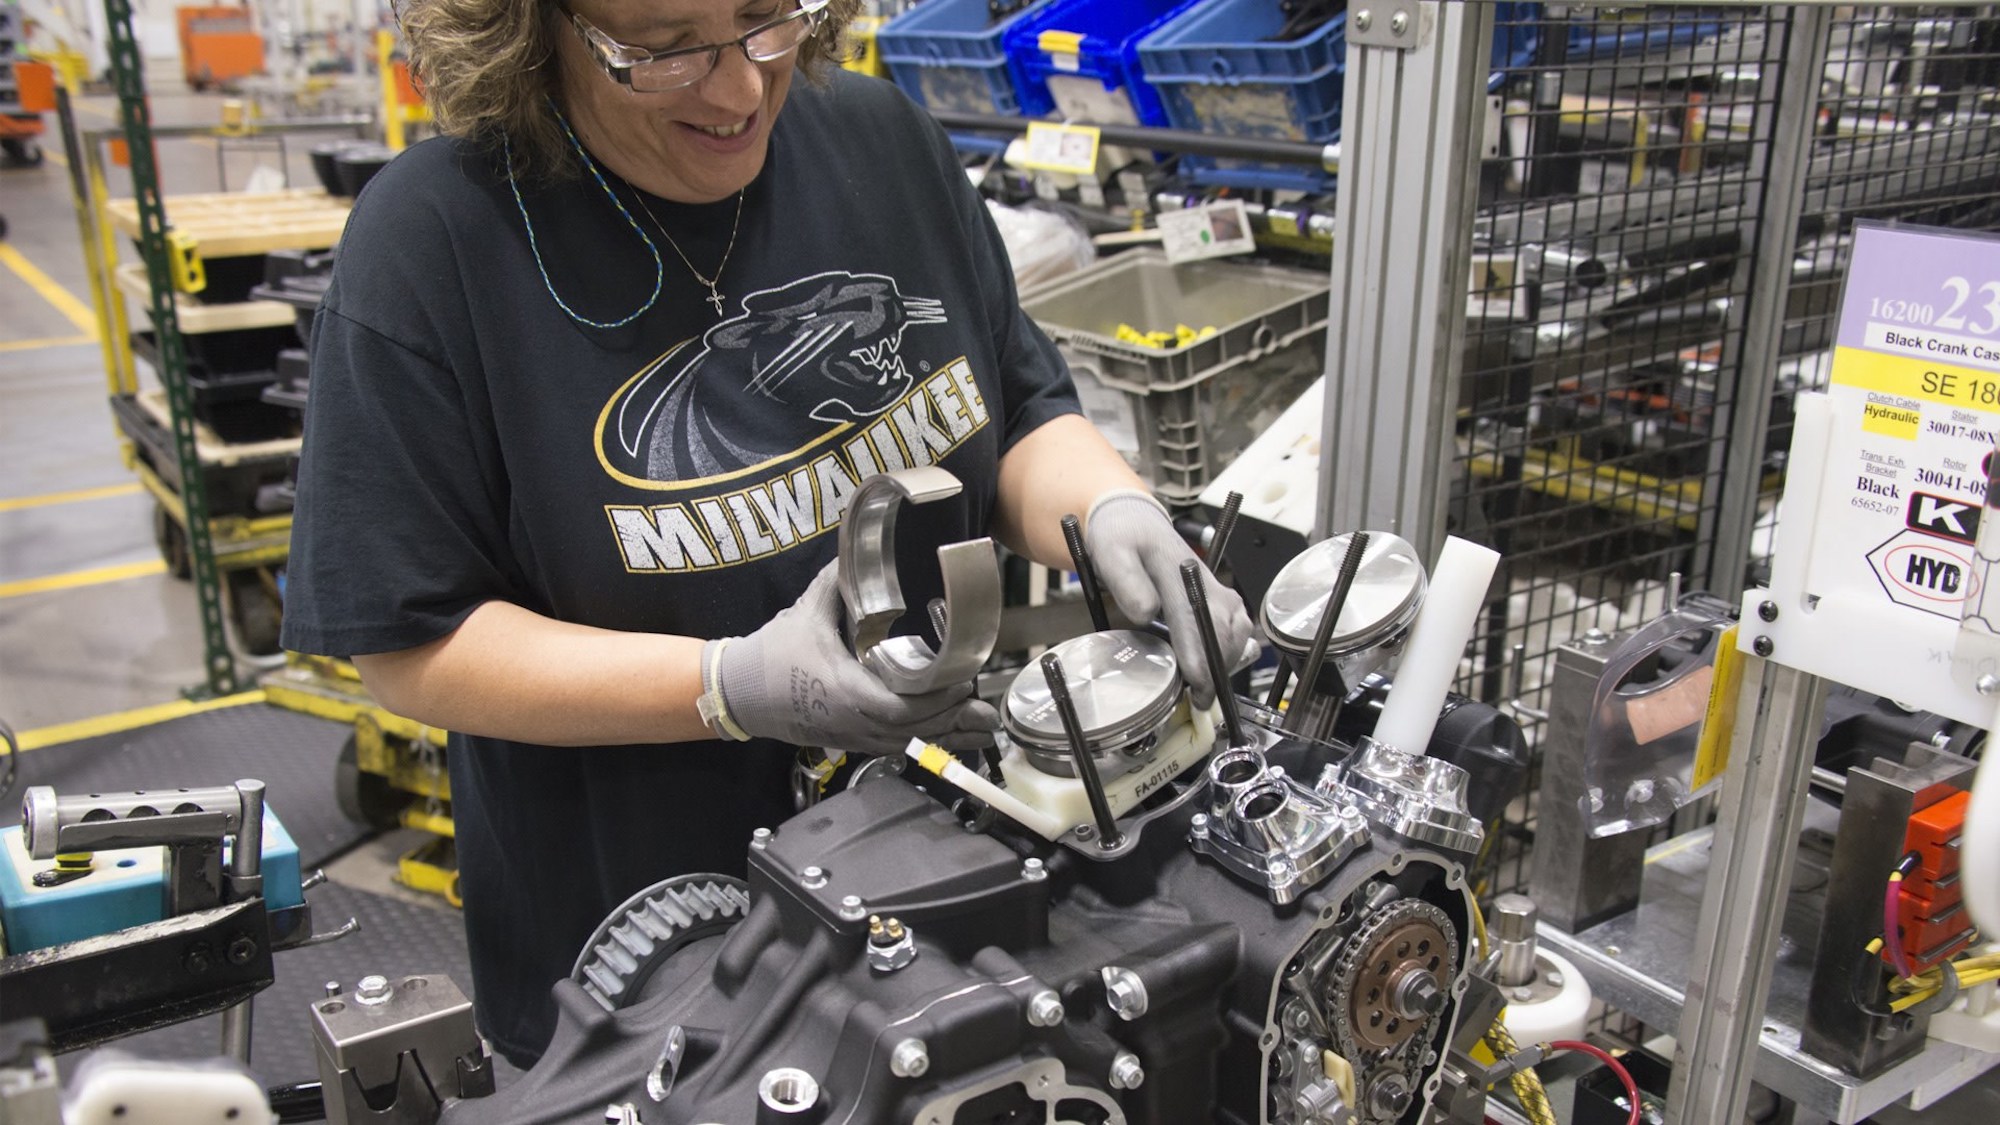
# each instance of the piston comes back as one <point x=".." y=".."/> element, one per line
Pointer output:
<point x="1381" y="604"/>
<point x="1126" y="687"/>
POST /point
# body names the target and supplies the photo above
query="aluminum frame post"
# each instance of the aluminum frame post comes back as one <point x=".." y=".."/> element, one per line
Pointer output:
<point x="1748" y="419"/>
<point x="1743" y="904"/>
<point x="1415" y="106"/>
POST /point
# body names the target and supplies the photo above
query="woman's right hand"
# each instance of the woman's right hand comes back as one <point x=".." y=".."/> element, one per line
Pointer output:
<point x="795" y="680"/>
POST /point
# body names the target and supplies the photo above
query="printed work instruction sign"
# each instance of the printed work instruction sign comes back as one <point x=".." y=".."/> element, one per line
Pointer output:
<point x="1915" y="388"/>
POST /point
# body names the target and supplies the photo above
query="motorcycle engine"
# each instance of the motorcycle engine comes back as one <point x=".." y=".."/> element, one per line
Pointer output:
<point x="1181" y="919"/>
<point x="886" y="964"/>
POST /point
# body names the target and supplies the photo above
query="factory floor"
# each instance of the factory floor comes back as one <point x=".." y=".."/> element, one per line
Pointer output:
<point x="91" y="625"/>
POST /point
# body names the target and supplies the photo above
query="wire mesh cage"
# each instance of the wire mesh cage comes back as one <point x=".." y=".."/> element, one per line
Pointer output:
<point x="1619" y="199"/>
<point x="1628" y="169"/>
<point x="1906" y="131"/>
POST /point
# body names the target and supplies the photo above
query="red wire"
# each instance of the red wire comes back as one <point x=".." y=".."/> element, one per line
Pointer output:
<point x="1617" y="1068"/>
<point x="1892" y="934"/>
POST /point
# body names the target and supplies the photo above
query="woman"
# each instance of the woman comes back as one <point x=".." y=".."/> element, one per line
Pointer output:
<point x="594" y="378"/>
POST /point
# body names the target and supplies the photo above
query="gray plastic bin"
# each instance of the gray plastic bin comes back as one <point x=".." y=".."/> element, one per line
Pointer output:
<point x="1180" y="414"/>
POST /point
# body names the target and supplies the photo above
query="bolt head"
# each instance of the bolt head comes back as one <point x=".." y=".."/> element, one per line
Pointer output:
<point x="1763" y="646"/>
<point x="1364" y="19"/>
<point x="1034" y="871"/>
<point x="761" y="838"/>
<point x="1126" y="1073"/>
<point x="1123" y="995"/>
<point x="1398" y="23"/>
<point x="1045" y="1009"/>
<point x="910" y="1059"/>
<point x="1767" y="610"/>
<point x="1554" y="977"/>
<point x="1596" y="637"/>
<point x="372" y="990"/>
<point x="196" y="960"/>
<point x="1988" y="684"/>
<point x="813" y="877"/>
<point x="333" y="988"/>
<point x="242" y="950"/>
<point x="1391" y="1095"/>
<point x="1524" y="994"/>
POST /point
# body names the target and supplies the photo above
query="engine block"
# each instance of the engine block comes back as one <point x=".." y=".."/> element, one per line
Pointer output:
<point x="885" y="963"/>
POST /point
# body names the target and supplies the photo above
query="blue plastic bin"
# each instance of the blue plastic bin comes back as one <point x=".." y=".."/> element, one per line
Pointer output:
<point x="944" y="54"/>
<point x="1215" y="74"/>
<point x="1517" y="32"/>
<point x="1659" y="31"/>
<point x="1107" y="51"/>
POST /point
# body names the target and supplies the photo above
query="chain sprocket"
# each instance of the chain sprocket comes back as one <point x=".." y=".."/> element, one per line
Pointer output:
<point x="1405" y="937"/>
<point x="652" y="926"/>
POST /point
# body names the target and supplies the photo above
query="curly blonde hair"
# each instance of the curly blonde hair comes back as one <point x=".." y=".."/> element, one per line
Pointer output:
<point x="488" y="67"/>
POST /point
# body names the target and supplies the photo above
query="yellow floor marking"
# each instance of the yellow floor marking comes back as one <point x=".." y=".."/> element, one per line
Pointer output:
<point x="57" y="158"/>
<point x="103" y="492"/>
<point x="95" y="576"/>
<point x="65" y="302"/>
<point x="131" y="720"/>
<point x="40" y="342"/>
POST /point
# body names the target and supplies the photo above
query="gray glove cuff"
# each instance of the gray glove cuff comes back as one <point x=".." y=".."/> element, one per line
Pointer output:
<point x="714" y="706"/>
<point x="1123" y="495"/>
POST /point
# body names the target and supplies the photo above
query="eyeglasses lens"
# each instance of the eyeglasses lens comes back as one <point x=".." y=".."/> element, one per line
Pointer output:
<point x="772" y="42"/>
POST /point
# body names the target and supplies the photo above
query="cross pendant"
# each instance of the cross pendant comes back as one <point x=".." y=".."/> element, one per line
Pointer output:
<point x="715" y="298"/>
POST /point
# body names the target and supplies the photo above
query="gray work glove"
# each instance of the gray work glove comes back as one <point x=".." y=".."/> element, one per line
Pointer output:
<point x="795" y="680"/>
<point x="1138" y="556"/>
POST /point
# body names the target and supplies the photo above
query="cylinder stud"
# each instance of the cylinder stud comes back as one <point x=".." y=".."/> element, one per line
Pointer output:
<point x="1086" y="572"/>
<point x="1108" y="835"/>
<point x="1225" y="526"/>
<point x="1336" y="604"/>
<point x="1211" y="648"/>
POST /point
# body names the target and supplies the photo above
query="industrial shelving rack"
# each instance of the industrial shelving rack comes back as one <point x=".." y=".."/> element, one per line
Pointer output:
<point x="224" y="554"/>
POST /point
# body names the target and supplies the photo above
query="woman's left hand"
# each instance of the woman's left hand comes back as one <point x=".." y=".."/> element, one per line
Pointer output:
<point x="1137" y="555"/>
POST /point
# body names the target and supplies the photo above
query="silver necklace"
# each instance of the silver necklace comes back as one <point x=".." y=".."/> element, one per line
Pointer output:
<point x="714" y="283"/>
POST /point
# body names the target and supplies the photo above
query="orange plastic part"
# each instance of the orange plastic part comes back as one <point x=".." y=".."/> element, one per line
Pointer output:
<point x="1930" y="913"/>
<point x="1931" y="938"/>
<point x="408" y="92"/>
<point x="35" y="86"/>
<point x="1933" y="834"/>
<point x="218" y="45"/>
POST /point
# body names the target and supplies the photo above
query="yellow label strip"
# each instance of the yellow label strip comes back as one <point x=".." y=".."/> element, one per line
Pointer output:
<point x="1925" y="380"/>
<point x="1711" y="753"/>
<point x="65" y="302"/>
<point x="1061" y="148"/>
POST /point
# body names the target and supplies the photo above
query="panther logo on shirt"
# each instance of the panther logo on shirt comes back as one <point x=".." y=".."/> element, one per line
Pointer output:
<point x="825" y="347"/>
<point x="719" y="431"/>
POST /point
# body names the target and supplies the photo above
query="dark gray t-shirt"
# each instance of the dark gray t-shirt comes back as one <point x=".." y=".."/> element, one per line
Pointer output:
<point x="467" y="441"/>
